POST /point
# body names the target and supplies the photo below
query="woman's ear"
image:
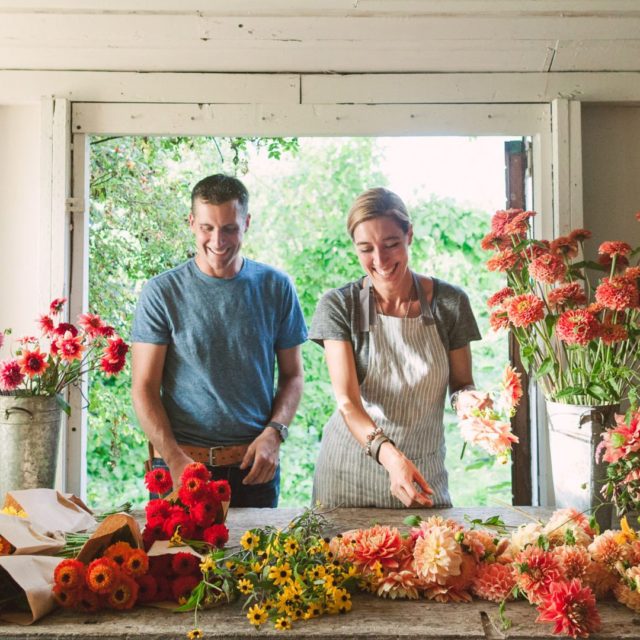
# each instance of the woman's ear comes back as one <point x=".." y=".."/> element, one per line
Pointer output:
<point x="410" y="234"/>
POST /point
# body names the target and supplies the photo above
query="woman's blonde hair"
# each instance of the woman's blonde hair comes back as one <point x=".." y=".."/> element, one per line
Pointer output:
<point x="375" y="203"/>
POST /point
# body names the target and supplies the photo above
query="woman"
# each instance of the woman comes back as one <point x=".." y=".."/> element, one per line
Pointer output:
<point x="394" y="340"/>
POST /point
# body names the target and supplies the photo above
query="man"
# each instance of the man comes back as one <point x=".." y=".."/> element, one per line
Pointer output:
<point x="206" y="337"/>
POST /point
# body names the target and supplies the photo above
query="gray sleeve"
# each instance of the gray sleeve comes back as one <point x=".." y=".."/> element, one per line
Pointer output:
<point x="150" y="322"/>
<point x="464" y="328"/>
<point x="331" y="319"/>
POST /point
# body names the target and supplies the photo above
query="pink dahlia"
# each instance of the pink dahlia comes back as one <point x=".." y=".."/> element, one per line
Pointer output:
<point x="91" y="324"/>
<point x="548" y="268"/>
<point x="494" y="582"/>
<point x="572" y="608"/>
<point x="46" y="324"/>
<point x="617" y="293"/>
<point x="399" y="584"/>
<point x="10" y="375"/>
<point x="577" y="326"/>
<point x="494" y="436"/>
<point x="56" y="306"/>
<point x="33" y="363"/>
<point x="69" y="347"/>
<point x="511" y="388"/>
<point x="571" y="293"/>
<point x="524" y="309"/>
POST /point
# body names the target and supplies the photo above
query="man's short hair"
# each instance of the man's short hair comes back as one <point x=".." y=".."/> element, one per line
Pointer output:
<point x="220" y="188"/>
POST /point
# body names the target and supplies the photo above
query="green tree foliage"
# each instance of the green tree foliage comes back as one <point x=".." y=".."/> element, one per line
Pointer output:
<point x="140" y="200"/>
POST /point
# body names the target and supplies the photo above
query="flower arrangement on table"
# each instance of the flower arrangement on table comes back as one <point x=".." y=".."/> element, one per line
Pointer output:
<point x="577" y="336"/>
<point x="283" y="575"/>
<point x="61" y="356"/>
<point x="562" y="567"/>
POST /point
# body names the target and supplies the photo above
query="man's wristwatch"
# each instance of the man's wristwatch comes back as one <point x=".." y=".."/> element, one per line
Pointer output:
<point x="282" y="429"/>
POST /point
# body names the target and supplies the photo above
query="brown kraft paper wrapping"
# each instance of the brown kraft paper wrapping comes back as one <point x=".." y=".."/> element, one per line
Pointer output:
<point x="119" y="527"/>
<point x="27" y="538"/>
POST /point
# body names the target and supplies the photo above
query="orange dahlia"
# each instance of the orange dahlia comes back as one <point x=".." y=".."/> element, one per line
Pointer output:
<point x="524" y="309"/>
<point x="572" y="608"/>
<point x="33" y="363"/>
<point x="599" y="578"/>
<point x="606" y="549"/>
<point x="499" y="320"/>
<point x="499" y="297"/>
<point x="502" y="218"/>
<point x="627" y="596"/>
<point x="574" y="560"/>
<point x="494" y="582"/>
<point x="69" y="574"/>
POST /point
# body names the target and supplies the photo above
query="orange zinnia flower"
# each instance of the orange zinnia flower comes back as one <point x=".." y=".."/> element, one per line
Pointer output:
<point x="137" y="564"/>
<point x="524" y="309"/>
<point x="617" y="293"/>
<point x="66" y="597"/>
<point x="124" y="594"/>
<point x="69" y="574"/>
<point x="102" y="575"/>
<point x="119" y="552"/>
<point x="577" y="326"/>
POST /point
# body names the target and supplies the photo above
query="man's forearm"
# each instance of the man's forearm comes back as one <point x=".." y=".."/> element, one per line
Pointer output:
<point x="287" y="398"/>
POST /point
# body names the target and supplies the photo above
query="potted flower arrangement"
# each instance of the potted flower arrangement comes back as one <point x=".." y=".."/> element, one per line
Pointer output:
<point x="577" y="323"/>
<point x="32" y="383"/>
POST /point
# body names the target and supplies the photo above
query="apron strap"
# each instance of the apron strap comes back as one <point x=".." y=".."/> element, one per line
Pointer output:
<point x="425" y="310"/>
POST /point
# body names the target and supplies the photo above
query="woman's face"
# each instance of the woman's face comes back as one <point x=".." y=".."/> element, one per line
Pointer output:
<point x="383" y="250"/>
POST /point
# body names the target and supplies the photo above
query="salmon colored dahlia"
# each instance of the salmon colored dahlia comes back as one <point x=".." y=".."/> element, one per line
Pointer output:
<point x="499" y="320"/>
<point x="399" y="584"/>
<point x="562" y="520"/>
<point x="437" y="555"/>
<point x="572" y="608"/>
<point x="494" y="582"/>
<point x="499" y="297"/>
<point x="502" y="218"/>
<point x="606" y="549"/>
<point x="376" y="544"/>
<point x="574" y="560"/>
<point x="511" y="388"/>
<point x="524" y="309"/>
<point x="536" y="571"/>
<point x="627" y="596"/>
<point x="599" y="578"/>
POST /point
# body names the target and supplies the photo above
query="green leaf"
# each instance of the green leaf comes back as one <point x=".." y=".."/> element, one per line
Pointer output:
<point x="412" y="521"/>
<point x="545" y="367"/>
<point x="63" y="404"/>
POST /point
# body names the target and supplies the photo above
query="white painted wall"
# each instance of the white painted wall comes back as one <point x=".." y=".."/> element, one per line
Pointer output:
<point x="19" y="207"/>
<point x="611" y="170"/>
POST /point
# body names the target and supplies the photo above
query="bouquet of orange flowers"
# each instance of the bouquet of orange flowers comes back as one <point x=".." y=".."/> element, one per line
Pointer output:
<point x="577" y="335"/>
<point x="61" y="355"/>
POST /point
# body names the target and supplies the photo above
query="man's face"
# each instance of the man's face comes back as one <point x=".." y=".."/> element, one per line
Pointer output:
<point x="218" y="230"/>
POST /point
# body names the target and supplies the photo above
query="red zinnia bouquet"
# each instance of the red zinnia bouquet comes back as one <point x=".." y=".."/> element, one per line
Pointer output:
<point x="61" y="355"/>
<point x="577" y="333"/>
<point x="196" y="512"/>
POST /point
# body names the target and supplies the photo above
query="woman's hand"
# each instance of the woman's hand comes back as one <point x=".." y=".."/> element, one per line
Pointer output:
<point x="406" y="482"/>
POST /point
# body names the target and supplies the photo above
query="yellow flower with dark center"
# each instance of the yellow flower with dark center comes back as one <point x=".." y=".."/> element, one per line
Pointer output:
<point x="230" y="564"/>
<point x="313" y="611"/>
<point x="291" y="546"/>
<point x="280" y="574"/>
<point x="257" y="567"/>
<point x="350" y="572"/>
<point x="245" y="586"/>
<point x="316" y="573"/>
<point x="195" y="633"/>
<point x="283" y="624"/>
<point x="329" y="581"/>
<point x="284" y="604"/>
<point x="257" y="615"/>
<point x="207" y="564"/>
<point x="249" y="540"/>
<point x="240" y="571"/>
<point x="298" y="613"/>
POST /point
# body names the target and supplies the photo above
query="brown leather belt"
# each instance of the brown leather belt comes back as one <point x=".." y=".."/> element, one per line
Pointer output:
<point x="214" y="456"/>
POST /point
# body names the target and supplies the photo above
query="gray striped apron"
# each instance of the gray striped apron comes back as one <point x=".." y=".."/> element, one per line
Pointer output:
<point x="404" y="393"/>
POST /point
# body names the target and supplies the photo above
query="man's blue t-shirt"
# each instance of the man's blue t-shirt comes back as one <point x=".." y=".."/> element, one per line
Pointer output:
<point x="222" y="337"/>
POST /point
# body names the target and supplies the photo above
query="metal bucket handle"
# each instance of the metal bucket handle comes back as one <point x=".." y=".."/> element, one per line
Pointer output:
<point x="10" y="410"/>
<point x="594" y="414"/>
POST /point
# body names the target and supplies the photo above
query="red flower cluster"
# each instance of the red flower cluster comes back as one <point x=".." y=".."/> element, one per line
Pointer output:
<point x="113" y="581"/>
<point x="196" y="513"/>
<point x="63" y="354"/>
<point x="171" y="577"/>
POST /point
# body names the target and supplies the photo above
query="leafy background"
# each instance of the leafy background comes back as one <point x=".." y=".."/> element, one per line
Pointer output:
<point x="300" y="193"/>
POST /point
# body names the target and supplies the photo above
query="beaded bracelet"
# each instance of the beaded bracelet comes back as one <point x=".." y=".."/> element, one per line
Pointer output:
<point x="376" y="433"/>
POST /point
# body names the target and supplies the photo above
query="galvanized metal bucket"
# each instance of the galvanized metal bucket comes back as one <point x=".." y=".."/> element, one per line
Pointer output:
<point x="574" y="434"/>
<point x="29" y="436"/>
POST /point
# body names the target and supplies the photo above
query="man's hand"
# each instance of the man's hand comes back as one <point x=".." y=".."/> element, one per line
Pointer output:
<point x="263" y="456"/>
<point x="406" y="482"/>
<point x="177" y="463"/>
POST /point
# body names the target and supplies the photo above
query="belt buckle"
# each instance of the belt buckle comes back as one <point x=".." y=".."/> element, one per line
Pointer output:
<point x="212" y="456"/>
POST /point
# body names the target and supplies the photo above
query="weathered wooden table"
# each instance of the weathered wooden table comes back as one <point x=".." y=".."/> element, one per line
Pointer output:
<point x="371" y="617"/>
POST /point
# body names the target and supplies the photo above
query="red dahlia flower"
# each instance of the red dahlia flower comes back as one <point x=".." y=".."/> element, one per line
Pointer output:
<point x="46" y="324"/>
<point x="536" y="571"/>
<point x="572" y="608"/>
<point x="158" y="481"/>
<point x="56" y="306"/>
<point x="216" y="535"/>
<point x="183" y="586"/>
<point x="147" y="588"/>
<point x="112" y="367"/>
<point x="222" y="490"/>
<point x="91" y="324"/>
<point x="158" y="508"/>
<point x="196" y="470"/>
<point x="116" y="349"/>
<point x="33" y="363"/>
<point x="577" y="326"/>
<point x="10" y="375"/>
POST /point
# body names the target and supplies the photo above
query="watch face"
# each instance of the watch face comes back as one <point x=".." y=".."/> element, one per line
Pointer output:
<point x="284" y="433"/>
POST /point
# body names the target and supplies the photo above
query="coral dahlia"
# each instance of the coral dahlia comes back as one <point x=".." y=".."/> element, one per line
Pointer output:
<point x="494" y="582"/>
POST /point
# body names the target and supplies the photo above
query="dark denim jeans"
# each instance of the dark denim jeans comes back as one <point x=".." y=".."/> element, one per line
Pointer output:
<point x="242" y="495"/>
